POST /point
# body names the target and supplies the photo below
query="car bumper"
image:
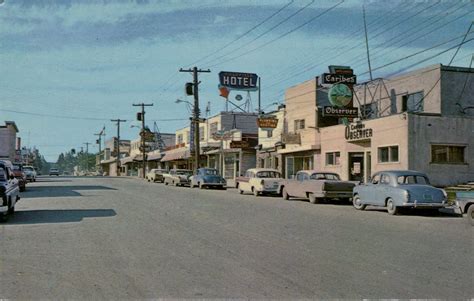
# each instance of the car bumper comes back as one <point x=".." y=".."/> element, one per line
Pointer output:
<point x="268" y="190"/>
<point x="335" y="194"/>
<point x="424" y="205"/>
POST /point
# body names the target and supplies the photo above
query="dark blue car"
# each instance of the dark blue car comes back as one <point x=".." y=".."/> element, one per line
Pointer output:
<point x="208" y="178"/>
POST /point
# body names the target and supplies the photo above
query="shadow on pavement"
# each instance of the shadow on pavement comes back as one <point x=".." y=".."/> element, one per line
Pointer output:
<point x="28" y="217"/>
<point x="60" y="191"/>
<point x="416" y="212"/>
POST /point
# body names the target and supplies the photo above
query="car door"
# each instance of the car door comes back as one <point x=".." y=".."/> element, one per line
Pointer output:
<point x="245" y="184"/>
<point x="369" y="191"/>
<point x="302" y="180"/>
<point x="381" y="191"/>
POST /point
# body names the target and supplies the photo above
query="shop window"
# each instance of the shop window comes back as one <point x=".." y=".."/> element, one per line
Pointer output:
<point x="299" y="124"/>
<point x="290" y="171"/>
<point x="333" y="158"/>
<point x="413" y="102"/>
<point x="447" y="154"/>
<point x="388" y="154"/>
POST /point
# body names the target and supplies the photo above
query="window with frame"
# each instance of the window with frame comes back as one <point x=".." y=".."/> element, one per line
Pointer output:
<point x="213" y="128"/>
<point x="413" y="102"/>
<point x="447" y="154"/>
<point x="388" y="154"/>
<point x="201" y="133"/>
<point x="180" y="138"/>
<point x="369" y="110"/>
<point x="299" y="124"/>
<point x="333" y="158"/>
<point x="269" y="133"/>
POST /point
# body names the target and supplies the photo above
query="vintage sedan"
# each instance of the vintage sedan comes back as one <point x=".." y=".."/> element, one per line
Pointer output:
<point x="207" y="177"/>
<point x="260" y="181"/>
<point x="178" y="177"/>
<point x="397" y="189"/>
<point x="9" y="191"/>
<point x="316" y="186"/>
<point x="156" y="175"/>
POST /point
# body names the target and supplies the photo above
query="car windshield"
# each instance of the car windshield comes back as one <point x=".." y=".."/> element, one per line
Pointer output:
<point x="268" y="174"/>
<point x="413" y="179"/>
<point x="28" y="168"/>
<point x="325" y="176"/>
<point x="183" y="172"/>
<point x="210" y="172"/>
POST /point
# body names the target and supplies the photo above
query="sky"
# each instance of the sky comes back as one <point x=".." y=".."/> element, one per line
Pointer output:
<point x="69" y="66"/>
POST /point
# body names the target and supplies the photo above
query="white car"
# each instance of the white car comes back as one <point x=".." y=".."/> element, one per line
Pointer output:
<point x="260" y="181"/>
<point x="30" y="173"/>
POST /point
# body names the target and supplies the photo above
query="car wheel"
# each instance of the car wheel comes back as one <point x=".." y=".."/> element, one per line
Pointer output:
<point x="255" y="192"/>
<point x="357" y="203"/>
<point x="313" y="199"/>
<point x="241" y="191"/>
<point x="391" y="208"/>
<point x="201" y="186"/>
<point x="285" y="194"/>
<point x="470" y="215"/>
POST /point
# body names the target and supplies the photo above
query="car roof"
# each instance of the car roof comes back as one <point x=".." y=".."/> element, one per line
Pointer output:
<point x="398" y="173"/>
<point x="312" y="171"/>
<point x="262" y="169"/>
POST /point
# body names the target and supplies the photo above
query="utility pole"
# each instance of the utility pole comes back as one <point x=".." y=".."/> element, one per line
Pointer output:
<point x="87" y="155"/>
<point x="118" y="121"/>
<point x="195" y="71"/>
<point x="142" y="134"/>
<point x="100" y="134"/>
<point x="367" y="43"/>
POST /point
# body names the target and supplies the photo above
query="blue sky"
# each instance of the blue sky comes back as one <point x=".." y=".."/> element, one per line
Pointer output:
<point x="70" y="66"/>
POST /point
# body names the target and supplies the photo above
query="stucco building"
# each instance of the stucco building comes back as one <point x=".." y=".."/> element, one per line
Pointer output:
<point x="8" y="140"/>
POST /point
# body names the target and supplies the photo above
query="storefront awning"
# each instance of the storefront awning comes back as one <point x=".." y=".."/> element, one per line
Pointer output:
<point x="227" y="150"/>
<point x="154" y="156"/>
<point x="176" y="155"/>
<point x="301" y="148"/>
<point x="136" y="158"/>
<point x="108" y="161"/>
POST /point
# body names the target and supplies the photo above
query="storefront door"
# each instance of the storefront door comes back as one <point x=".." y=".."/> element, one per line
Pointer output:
<point x="356" y="166"/>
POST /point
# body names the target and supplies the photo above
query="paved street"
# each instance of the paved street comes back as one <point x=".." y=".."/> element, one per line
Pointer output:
<point x="111" y="238"/>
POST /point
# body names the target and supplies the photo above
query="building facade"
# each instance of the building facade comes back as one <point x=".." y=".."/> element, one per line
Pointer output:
<point x="8" y="140"/>
<point x="422" y="120"/>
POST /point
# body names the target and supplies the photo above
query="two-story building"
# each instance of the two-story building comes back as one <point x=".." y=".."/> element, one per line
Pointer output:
<point x="270" y="141"/>
<point x="8" y="140"/>
<point x="422" y="120"/>
<point x="109" y="158"/>
<point x="227" y="142"/>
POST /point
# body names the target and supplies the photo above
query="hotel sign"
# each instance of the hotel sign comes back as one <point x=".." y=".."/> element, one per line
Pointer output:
<point x="340" y="112"/>
<point x="238" y="80"/>
<point x="356" y="132"/>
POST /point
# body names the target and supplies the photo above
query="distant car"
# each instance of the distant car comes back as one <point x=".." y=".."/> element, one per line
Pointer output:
<point x="208" y="177"/>
<point x="156" y="175"/>
<point x="30" y="173"/>
<point x="260" y="181"/>
<point x="178" y="177"/>
<point x="399" y="188"/>
<point x="316" y="186"/>
<point x="20" y="175"/>
<point x="54" y="172"/>
<point x="9" y="191"/>
<point x="465" y="202"/>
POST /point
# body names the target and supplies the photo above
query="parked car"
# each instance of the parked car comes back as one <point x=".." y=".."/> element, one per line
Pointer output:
<point x="316" y="186"/>
<point x="20" y="175"/>
<point x="260" y="181"/>
<point x="54" y="172"/>
<point x="9" y="191"/>
<point x="465" y="202"/>
<point x="156" y="175"/>
<point x="207" y="177"/>
<point x="30" y="173"/>
<point x="178" y="177"/>
<point x="399" y="188"/>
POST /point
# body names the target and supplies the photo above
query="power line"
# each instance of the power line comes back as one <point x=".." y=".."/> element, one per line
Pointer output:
<point x="281" y="36"/>
<point x="244" y="34"/>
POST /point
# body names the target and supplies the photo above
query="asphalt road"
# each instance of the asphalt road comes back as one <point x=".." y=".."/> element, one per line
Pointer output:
<point x="109" y="238"/>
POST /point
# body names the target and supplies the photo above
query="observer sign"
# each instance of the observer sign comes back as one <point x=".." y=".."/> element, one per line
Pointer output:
<point x="238" y="80"/>
<point x="340" y="112"/>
